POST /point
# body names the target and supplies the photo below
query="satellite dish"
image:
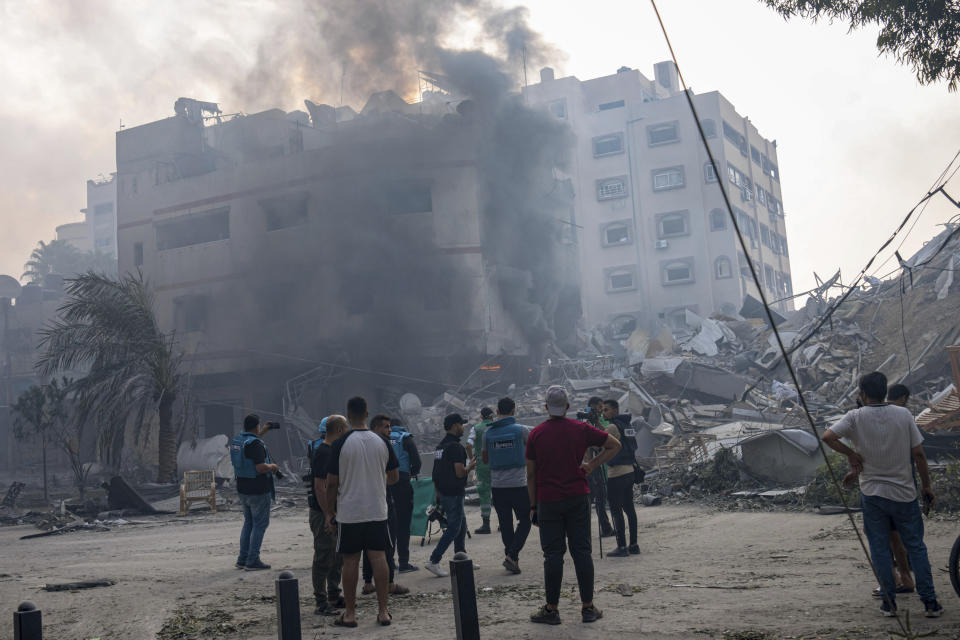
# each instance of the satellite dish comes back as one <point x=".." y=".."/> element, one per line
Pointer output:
<point x="9" y="287"/>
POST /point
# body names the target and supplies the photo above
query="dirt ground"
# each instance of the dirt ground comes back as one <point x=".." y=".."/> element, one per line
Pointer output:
<point x="702" y="574"/>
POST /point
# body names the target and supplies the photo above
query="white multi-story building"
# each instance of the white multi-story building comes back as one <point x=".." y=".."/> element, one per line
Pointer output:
<point x="101" y="214"/>
<point x="654" y="235"/>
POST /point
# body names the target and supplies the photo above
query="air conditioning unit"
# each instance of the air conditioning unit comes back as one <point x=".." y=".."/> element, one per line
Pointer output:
<point x="661" y="244"/>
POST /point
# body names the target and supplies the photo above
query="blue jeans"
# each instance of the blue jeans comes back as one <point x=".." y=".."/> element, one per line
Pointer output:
<point x="878" y="514"/>
<point x="256" y="519"/>
<point x="456" y="531"/>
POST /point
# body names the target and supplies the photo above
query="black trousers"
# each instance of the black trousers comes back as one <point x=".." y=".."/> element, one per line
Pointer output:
<point x="598" y="493"/>
<point x="402" y="493"/>
<point x="391" y="564"/>
<point x="620" y="495"/>
<point x="566" y="522"/>
<point x="509" y="502"/>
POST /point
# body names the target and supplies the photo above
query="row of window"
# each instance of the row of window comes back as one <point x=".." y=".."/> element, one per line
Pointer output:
<point x="663" y="179"/>
<point x="760" y="159"/>
<point x="775" y="281"/>
<point x="673" y="272"/>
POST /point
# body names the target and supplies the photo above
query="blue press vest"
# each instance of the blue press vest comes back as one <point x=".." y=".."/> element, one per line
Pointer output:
<point x="397" y="436"/>
<point x="505" y="449"/>
<point x="243" y="466"/>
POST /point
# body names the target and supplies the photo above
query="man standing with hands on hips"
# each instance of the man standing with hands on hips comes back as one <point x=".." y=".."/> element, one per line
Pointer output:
<point x="560" y="498"/>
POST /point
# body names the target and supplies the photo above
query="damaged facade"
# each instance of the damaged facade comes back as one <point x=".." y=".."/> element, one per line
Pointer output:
<point x="330" y="249"/>
<point x="654" y="236"/>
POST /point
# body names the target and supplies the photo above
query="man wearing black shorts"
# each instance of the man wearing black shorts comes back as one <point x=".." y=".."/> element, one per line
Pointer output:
<point x="361" y="466"/>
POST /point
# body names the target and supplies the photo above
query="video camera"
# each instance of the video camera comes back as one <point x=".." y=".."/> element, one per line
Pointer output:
<point x="272" y="425"/>
<point x="583" y="415"/>
<point x="435" y="514"/>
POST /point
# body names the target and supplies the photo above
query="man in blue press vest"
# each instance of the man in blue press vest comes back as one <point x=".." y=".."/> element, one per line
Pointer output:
<point x="504" y="449"/>
<point x="402" y="491"/>
<point x="254" y="473"/>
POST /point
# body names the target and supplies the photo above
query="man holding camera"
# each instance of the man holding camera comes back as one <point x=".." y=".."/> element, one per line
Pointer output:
<point x="597" y="481"/>
<point x="254" y="474"/>
<point x="620" y="479"/>
<point x="450" y="470"/>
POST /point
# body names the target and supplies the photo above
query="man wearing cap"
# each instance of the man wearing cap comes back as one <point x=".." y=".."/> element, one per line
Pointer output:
<point x="402" y="442"/>
<point x="597" y="481"/>
<point x="450" y="470"/>
<point x="560" y="499"/>
<point x="483" y="469"/>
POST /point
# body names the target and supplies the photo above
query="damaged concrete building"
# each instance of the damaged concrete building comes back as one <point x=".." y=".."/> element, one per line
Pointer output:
<point x="303" y="257"/>
<point x="654" y="235"/>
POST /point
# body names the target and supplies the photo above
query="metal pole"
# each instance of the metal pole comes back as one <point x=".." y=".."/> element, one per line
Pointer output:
<point x="465" y="615"/>
<point x="288" y="607"/>
<point x="27" y="622"/>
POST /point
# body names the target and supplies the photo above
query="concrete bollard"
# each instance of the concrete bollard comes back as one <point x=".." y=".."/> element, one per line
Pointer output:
<point x="465" y="614"/>
<point x="27" y="622"/>
<point x="288" y="607"/>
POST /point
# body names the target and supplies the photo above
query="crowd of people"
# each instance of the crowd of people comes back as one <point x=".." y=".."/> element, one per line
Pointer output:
<point x="551" y="476"/>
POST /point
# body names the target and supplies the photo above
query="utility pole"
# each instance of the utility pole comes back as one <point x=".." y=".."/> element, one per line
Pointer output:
<point x="7" y="370"/>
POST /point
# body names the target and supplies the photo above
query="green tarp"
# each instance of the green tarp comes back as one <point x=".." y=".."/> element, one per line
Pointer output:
<point x="423" y="495"/>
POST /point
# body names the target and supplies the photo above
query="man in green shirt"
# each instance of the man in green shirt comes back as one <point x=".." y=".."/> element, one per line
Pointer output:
<point x="474" y="444"/>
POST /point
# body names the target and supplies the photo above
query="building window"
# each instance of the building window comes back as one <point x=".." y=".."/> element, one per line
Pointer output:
<point x="190" y="313"/>
<point x="765" y="235"/>
<point x="768" y="277"/>
<point x="612" y="188"/>
<point x="138" y="254"/>
<point x="718" y="220"/>
<point x="103" y="209"/>
<point x="755" y="155"/>
<point x="709" y="128"/>
<point x="787" y="285"/>
<point x="671" y="225"/>
<point x="664" y="133"/>
<point x="285" y="211"/>
<point x="558" y="108"/>
<point x="608" y="145"/>
<point x="674" y="272"/>
<point x="189" y="230"/>
<point x="102" y="242"/>
<point x="620" y="279"/>
<point x="606" y="106"/>
<point x="709" y="172"/>
<point x="617" y="233"/>
<point x="744" y="265"/>
<point x="408" y="197"/>
<point x="734" y="136"/>
<point x="668" y="178"/>
<point x="722" y="269"/>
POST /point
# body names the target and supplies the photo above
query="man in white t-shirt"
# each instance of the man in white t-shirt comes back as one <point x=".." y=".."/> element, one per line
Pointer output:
<point x="361" y="466"/>
<point x="885" y="440"/>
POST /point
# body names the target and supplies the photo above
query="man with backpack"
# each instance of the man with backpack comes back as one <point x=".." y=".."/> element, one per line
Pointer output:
<point x="620" y="477"/>
<point x="254" y="472"/>
<point x="402" y="491"/>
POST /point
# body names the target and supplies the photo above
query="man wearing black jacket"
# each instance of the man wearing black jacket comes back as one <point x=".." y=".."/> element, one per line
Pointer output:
<point x="620" y="479"/>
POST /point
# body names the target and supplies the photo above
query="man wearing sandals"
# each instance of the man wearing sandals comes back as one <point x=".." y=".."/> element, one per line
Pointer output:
<point x="560" y="499"/>
<point x="885" y="440"/>
<point x="361" y="466"/>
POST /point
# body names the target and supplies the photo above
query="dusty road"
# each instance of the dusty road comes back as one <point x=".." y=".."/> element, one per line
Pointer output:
<point x="780" y="575"/>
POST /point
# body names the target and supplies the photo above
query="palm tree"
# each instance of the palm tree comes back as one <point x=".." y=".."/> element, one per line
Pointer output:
<point x="34" y="419"/>
<point x="57" y="256"/>
<point x="108" y="325"/>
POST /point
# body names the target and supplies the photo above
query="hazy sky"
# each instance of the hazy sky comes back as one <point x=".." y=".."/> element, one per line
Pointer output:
<point x="859" y="140"/>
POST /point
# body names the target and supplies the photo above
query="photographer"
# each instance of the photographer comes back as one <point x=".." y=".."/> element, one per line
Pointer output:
<point x="254" y="473"/>
<point x="450" y="470"/>
<point x="597" y="481"/>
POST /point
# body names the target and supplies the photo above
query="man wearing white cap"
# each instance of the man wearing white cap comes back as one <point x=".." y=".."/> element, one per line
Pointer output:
<point x="560" y="499"/>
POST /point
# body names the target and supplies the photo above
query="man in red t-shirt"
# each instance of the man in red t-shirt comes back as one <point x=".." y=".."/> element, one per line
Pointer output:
<point x="557" y="484"/>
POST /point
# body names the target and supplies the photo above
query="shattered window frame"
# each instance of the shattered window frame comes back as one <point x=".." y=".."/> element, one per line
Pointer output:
<point x="612" y="188"/>
<point x="656" y="131"/>
<point x="599" y="141"/>
<point x="285" y="211"/>
<point x="718" y="220"/>
<point x="710" y="172"/>
<point x="669" y="269"/>
<point x="722" y="268"/>
<point x="196" y="228"/>
<point x="673" y="216"/>
<point x="627" y="237"/>
<point x="675" y="178"/>
<point x="613" y="275"/>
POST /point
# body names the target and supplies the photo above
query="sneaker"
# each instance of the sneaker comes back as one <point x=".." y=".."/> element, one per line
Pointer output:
<point x="241" y="565"/>
<point x="634" y="549"/>
<point x="619" y="552"/>
<point x="325" y="609"/>
<point x="545" y="616"/>
<point x="590" y="614"/>
<point x="407" y="568"/>
<point x="436" y="570"/>
<point x="483" y="529"/>
<point x="933" y="609"/>
<point x="511" y="565"/>
<point x="256" y="566"/>
<point x="887" y="611"/>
